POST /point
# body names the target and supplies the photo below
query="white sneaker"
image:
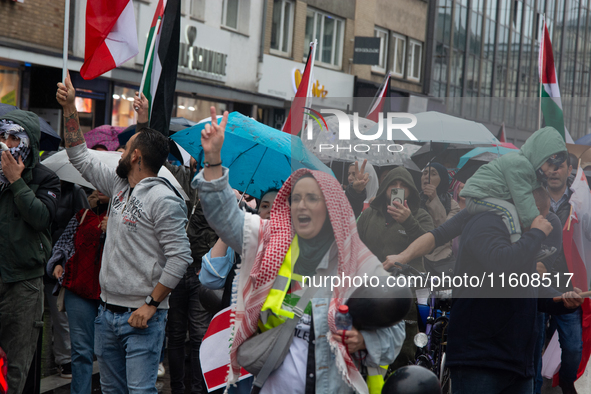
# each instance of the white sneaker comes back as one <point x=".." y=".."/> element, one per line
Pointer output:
<point x="161" y="370"/>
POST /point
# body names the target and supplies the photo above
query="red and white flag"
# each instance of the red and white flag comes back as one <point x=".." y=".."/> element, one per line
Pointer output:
<point x="300" y="101"/>
<point x="111" y="36"/>
<point x="378" y="104"/>
<point x="501" y="136"/>
<point x="577" y="250"/>
<point x="214" y="353"/>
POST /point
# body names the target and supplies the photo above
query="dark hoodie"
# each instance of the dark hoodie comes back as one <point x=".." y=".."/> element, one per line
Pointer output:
<point x="381" y="233"/>
<point x="27" y="209"/>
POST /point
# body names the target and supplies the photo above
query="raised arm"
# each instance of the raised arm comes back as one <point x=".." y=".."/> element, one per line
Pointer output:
<point x="66" y="96"/>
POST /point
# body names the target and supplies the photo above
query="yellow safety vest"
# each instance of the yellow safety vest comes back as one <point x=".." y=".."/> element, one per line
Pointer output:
<point x="272" y="312"/>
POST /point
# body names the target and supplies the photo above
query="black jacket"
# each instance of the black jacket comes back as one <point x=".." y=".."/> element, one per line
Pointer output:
<point x="560" y="267"/>
<point x="487" y="331"/>
<point x="72" y="199"/>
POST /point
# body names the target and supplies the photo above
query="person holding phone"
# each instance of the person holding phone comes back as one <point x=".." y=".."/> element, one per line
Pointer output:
<point x="393" y="221"/>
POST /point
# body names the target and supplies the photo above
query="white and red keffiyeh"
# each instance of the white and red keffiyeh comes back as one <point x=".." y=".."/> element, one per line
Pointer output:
<point x="274" y="238"/>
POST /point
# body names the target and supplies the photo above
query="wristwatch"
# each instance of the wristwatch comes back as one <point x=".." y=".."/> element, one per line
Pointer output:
<point x="150" y="301"/>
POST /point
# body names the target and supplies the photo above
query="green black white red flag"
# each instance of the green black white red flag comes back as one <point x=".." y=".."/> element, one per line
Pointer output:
<point x="550" y="94"/>
<point x="161" y="63"/>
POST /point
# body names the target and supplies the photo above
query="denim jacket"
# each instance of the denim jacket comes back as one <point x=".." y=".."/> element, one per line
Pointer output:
<point x="224" y="216"/>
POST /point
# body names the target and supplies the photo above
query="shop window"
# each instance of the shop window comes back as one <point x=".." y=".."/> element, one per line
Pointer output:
<point x="9" y="85"/>
<point x="398" y="50"/>
<point x="382" y="34"/>
<point x="415" y="52"/>
<point x="123" y="114"/>
<point x="282" y="27"/>
<point x="196" y="110"/>
<point x="329" y="31"/>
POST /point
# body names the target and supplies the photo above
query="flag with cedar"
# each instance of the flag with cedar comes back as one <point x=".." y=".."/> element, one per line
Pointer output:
<point x="110" y="37"/>
<point x="161" y="63"/>
<point x="378" y="104"/>
<point x="294" y="123"/>
<point x="550" y="92"/>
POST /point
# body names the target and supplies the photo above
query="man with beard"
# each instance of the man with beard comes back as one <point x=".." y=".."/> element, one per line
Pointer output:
<point x="146" y="252"/>
<point x="186" y="311"/>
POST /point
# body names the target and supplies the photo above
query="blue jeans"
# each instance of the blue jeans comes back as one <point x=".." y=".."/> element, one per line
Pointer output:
<point x="570" y="336"/>
<point x="186" y="312"/>
<point x="470" y="380"/>
<point x="128" y="357"/>
<point x="539" y="380"/>
<point x="81" y="315"/>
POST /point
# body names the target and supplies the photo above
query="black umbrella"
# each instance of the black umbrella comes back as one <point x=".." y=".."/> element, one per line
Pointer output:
<point x="50" y="140"/>
<point x="473" y="165"/>
<point x="441" y="152"/>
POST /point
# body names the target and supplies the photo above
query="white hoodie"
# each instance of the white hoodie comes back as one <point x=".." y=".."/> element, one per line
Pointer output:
<point x="146" y="239"/>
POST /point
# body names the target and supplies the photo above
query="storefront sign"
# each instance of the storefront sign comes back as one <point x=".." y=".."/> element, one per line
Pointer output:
<point x="317" y="89"/>
<point x="367" y="50"/>
<point x="201" y="62"/>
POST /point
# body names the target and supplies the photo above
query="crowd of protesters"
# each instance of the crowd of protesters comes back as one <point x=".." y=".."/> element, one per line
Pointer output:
<point x="139" y="270"/>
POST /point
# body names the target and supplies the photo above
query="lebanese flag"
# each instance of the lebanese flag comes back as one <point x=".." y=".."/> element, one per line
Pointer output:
<point x="378" y="104"/>
<point x="550" y="95"/>
<point x="302" y="97"/>
<point x="577" y="251"/>
<point x="501" y="136"/>
<point x="161" y="68"/>
<point x="111" y="36"/>
<point x="214" y="353"/>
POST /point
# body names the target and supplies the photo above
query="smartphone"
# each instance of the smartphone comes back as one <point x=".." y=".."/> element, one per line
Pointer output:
<point x="397" y="194"/>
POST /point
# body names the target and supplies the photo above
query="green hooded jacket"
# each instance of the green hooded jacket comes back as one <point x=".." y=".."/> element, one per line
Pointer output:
<point x="381" y="233"/>
<point x="513" y="175"/>
<point x="27" y="208"/>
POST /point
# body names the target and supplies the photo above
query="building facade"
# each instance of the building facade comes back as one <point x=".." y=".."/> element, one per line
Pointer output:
<point x="486" y="51"/>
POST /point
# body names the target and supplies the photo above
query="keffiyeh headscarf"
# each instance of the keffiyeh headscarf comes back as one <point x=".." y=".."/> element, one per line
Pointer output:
<point x="275" y="238"/>
<point x="8" y="128"/>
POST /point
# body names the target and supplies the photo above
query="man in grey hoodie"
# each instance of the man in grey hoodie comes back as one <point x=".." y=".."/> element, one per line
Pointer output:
<point x="146" y="252"/>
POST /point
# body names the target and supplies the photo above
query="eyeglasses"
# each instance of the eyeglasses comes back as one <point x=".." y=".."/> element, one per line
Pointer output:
<point x="310" y="200"/>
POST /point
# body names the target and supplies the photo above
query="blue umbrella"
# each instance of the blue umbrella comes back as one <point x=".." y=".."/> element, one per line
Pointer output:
<point x="498" y="150"/>
<point x="586" y="140"/>
<point x="259" y="157"/>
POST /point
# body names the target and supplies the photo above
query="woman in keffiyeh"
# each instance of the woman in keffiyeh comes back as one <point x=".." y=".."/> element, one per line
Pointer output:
<point x="312" y="215"/>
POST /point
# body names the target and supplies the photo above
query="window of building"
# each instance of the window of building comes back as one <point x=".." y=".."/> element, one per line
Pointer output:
<point x="198" y="9"/>
<point x="398" y="50"/>
<point x="230" y="14"/>
<point x="329" y="31"/>
<point x="282" y="26"/>
<point x="383" y="36"/>
<point x="195" y="109"/>
<point x="9" y="85"/>
<point x="415" y="52"/>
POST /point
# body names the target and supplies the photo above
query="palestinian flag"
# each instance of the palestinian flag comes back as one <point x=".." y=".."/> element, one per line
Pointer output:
<point x="295" y="118"/>
<point x="551" y="103"/>
<point x="161" y="63"/>
<point x="110" y="37"/>
<point x="378" y="104"/>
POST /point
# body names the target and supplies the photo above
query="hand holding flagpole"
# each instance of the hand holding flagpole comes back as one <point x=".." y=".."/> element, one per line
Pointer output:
<point x="150" y="52"/>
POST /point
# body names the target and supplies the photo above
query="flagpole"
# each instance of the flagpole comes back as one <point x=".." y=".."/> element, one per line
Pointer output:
<point x="308" y="98"/>
<point x="541" y="71"/>
<point x="378" y="94"/>
<point x="150" y="51"/>
<point x="66" y="41"/>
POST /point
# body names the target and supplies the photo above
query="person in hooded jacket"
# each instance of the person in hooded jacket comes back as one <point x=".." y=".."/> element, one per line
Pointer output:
<point x="388" y="229"/>
<point x="505" y="185"/>
<point x="29" y="194"/>
<point x="436" y="200"/>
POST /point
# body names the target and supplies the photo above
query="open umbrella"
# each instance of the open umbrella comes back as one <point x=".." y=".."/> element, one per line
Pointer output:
<point x="439" y="127"/>
<point x="441" y="152"/>
<point x="585" y="140"/>
<point x="259" y="157"/>
<point x="50" y="140"/>
<point x="476" y="158"/>
<point x="106" y="135"/>
<point x="60" y="164"/>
